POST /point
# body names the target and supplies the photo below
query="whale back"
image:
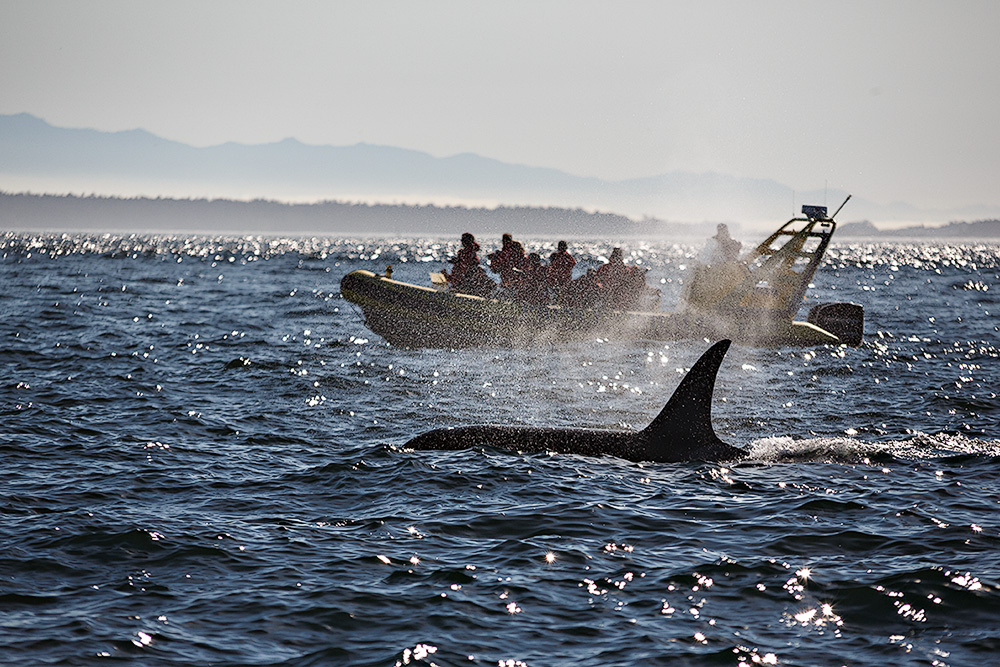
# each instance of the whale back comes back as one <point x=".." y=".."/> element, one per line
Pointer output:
<point x="681" y="432"/>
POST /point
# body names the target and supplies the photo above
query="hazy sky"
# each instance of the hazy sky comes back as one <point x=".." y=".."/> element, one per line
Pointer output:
<point x="894" y="101"/>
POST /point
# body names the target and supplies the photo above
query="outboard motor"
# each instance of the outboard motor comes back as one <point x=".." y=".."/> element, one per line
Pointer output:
<point x="846" y="321"/>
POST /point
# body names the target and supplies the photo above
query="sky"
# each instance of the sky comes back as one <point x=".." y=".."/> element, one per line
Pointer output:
<point x="891" y="100"/>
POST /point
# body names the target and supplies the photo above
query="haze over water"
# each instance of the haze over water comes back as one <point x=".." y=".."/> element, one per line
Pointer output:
<point x="203" y="464"/>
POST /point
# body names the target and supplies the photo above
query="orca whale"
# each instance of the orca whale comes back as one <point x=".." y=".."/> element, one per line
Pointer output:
<point x="681" y="432"/>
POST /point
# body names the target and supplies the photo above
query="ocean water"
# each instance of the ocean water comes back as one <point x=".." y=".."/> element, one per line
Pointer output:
<point x="202" y="464"/>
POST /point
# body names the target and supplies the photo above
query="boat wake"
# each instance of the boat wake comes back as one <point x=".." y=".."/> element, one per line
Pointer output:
<point x="845" y="449"/>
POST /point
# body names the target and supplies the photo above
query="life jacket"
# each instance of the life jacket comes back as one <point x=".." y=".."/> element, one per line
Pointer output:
<point x="467" y="258"/>
<point x="504" y="263"/>
<point x="560" y="268"/>
<point x="614" y="274"/>
<point x="534" y="284"/>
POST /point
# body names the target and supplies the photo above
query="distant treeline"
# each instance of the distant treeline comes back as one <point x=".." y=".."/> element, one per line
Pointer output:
<point x="95" y="213"/>
<point x="26" y="211"/>
<point x="979" y="229"/>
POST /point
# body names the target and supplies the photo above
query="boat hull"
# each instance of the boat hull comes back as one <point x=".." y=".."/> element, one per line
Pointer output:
<point x="409" y="315"/>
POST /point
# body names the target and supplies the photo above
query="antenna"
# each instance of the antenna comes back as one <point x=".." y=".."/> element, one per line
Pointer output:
<point x="840" y="207"/>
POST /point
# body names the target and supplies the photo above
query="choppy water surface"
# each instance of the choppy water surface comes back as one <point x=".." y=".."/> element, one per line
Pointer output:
<point x="202" y="463"/>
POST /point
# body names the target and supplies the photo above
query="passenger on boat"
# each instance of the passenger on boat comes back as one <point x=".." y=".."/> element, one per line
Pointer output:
<point x="534" y="284"/>
<point x="721" y="248"/>
<point x="717" y="272"/>
<point x="622" y="284"/>
<point x="614" y="271"/>
<point x="468" y="275"/>
<point x="507" y="261"/>
<point x="584" y="292"/>
<point x="561" y="265"/>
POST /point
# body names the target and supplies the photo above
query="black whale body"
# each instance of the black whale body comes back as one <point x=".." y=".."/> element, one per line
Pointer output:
<point x="681" y="432"/>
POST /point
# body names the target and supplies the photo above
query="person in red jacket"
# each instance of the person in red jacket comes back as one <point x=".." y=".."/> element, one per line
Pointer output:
<point x="467" y="275"/>
<point x="622" y="284"/>
<point x="534" y="285"/>
<point x="508" y="261"/>
<point x="614" y="271"/>
<point x="561" y="265"/>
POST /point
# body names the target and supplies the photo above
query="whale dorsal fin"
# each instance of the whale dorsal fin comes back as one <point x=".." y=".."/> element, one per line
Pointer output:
<point x="683" y="429"/>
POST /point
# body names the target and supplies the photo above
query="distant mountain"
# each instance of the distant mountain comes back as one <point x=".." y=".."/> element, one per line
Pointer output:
<point x="137" y="162"/>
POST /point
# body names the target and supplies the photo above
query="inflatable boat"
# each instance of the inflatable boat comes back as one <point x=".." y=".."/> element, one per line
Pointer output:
<point x="753" y="302"/>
